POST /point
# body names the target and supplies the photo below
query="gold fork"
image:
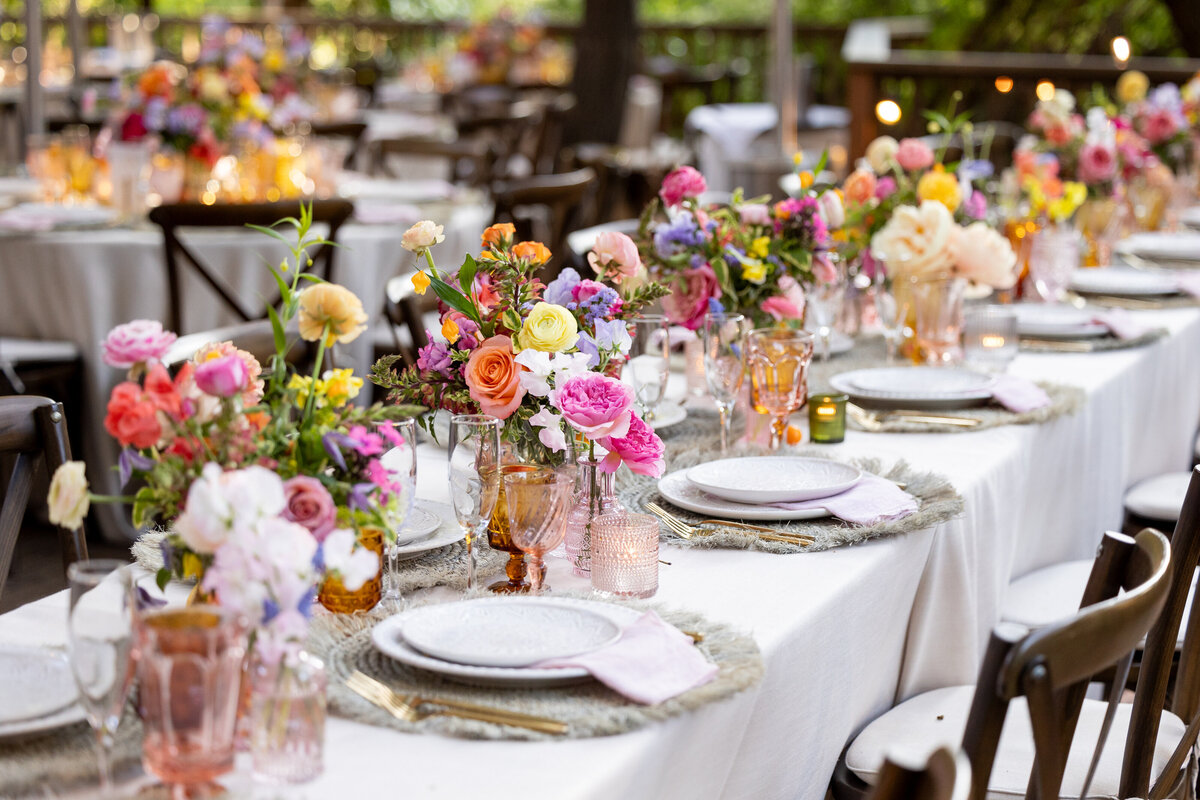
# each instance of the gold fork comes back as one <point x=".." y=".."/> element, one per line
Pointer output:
<point x="874" y="420"/>
<point x="685" y="531"/>
<point x="409" y="709"/>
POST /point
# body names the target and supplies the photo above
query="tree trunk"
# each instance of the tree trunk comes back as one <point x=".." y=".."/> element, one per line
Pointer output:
<point x="604" y="59"/>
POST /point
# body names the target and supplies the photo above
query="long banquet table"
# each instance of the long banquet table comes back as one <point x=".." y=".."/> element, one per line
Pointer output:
<point x="844" y="633"/>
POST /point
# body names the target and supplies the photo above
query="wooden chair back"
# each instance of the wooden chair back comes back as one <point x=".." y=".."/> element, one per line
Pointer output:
<point x="510" y="132"/>
<point x="559" y="201"/>
<point x="32" y="428"/>
<point x="403" y="311"/>
<point x="470" y="160"/>
<point x="546" y="159"/>
<point x="945" y="776"/>
<point x="178" y="256"/>
<point x="352" y="132"/>
<point x="1052" y="666"/>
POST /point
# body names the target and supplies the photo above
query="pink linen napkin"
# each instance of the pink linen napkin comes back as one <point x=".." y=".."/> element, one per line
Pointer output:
<point x="872" y="500"/>
<point x="1189" y="284"/>
<point x="1019" y="394"/>
<point x="650" y="663"/>
<point x="1120" y="323"/>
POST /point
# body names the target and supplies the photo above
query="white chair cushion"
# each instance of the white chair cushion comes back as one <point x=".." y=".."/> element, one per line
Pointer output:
<point x="26" y="351"/>
<point x="1159" y="497"/>
<point x="1053" y="593"/>
<point x="938" y="718"/>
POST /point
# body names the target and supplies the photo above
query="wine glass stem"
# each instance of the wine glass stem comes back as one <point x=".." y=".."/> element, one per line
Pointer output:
<point x="537" y="572"/>
<point x="104" y="743"/>
<point x="778" y="430"/>
<point x="724" y="412"/>
<point x="470" y="540"/>
<point x="393" y="576"/>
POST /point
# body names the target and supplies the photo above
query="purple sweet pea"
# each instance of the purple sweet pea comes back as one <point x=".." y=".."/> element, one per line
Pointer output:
<point x="333" y="443"/>
<point x="435" y="357"/>
<point x="128" y="461"/>
<point x="559" y="291"/>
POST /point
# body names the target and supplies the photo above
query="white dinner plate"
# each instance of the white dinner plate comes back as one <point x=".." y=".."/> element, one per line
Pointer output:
<point x="506" y="631"/>
<point x="421" y="523"/>
<point x="916" y="402"/>
<point x="34" y="683"/>
<point x="1162" y="246"/>
<point x="773" y="479"/>
<point x="390" y="642"/>
<point x="679" y="491"/>
<point x="668" y="414"/>
<point x="1191" y="217"/>
<point x="920" y="382"/>
<point x="1123" y="282"/>
<point x="447" y="533"/>
<point x="1056" y="322"/>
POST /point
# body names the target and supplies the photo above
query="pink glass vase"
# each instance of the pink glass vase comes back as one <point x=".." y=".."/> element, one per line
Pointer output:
<point x="938" y="303"/>
<point x="594" y="498"/>
<point x="189" y="669"/>
<point x="287" y="719"/>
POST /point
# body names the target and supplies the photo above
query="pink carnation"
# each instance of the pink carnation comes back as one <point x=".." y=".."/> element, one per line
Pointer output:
<point x="616" y="255"/>
<point x="1097" y="163"/>
<point x="309" y="505"/>
<point x="688" y="301"/>
<point x="596" y="405"/>
<point x="224" y="376"/>
<point x="136" y="342"/>
<point x="640" y="449"/>
<point x="253" y="391"/>
<point x="914" y="154"/>
<point x="681" y="183"/>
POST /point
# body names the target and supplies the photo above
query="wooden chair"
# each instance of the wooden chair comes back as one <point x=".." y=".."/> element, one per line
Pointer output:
<point x="470" y="161"/>
<point x="510" y="133"/>
<point x="32" y="428"/>
<point x="1037" y="681"/>
<point x="945" y="776"/>
<point x="171" y="218"/>
<point x="403" y="312"/>
<point x="546" y="208"/>
<point x="546" y="158"/>
<point x="352" y="132"/>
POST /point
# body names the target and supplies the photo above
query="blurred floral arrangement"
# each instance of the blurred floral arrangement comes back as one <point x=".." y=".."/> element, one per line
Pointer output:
<point x="531" y="354"/>
<point x="497" y="51"/>
<point x="744" y="256"/>
<point x="239" y="464"/>
<point x="925" y="242"/>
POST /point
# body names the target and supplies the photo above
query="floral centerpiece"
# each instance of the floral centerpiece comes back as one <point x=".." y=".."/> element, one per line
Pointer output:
<point x="1159" y="116"/>
<point x="744" y="256"/>
<point x="226" y="442"/>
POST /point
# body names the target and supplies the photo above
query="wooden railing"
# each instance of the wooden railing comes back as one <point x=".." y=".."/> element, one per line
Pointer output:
<point x="996" y="86"/>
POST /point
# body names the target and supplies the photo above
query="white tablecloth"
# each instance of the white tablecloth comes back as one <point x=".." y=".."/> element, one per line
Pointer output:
<point x="844" y="633"/>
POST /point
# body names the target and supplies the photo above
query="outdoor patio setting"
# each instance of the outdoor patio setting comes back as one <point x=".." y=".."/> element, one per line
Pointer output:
<point x="599" y="399"/>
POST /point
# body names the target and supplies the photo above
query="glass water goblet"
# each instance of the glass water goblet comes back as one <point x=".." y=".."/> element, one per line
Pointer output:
<point x="538" y="505"/>
<point x="724" y="364"/>
<point x="825" y="299"/>
<point x="100" y="643"/>
<point x="474" y="473"/>
<point x="779" y="360"/>
<point x="891" y="309"/>
<point x="649" y="363"/>
<point x="401" y="464"/>
<point x="1053" y="257"/>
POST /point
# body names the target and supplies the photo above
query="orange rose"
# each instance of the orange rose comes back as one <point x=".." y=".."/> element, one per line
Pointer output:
<point x="533" y="252"/>
<point x="859" y="187"/>
<point x="495" y="236"/>
<point x="494" y="377"/>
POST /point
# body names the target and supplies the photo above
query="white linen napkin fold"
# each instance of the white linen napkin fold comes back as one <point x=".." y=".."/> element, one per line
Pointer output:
<point x="1120" y="323"/>
<point x="1019" y="394"/>
<point x="870" y="501"/>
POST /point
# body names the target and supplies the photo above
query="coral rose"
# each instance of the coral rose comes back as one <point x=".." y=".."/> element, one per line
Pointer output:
<point x="615" y="255"/>
<point x="984" y="256"/>
<point x="917" y="242"/>
<point x="859" y="187"/>
<point x="494" y="377"/>
<point x="132" y="417"/>
<point x="550" y="328"/>
<point x="328" y="304"/>
<point x="680" y="184"/>
<point x="913" y="154"/>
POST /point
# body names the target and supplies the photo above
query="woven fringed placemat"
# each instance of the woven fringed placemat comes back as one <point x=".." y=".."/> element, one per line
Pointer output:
<point x="1101" y="344"/>
<point x="1142" y="303"/>
<point x="937" y="500"/>
<point x="589" y="708"/>
<point x="65" y="758"/>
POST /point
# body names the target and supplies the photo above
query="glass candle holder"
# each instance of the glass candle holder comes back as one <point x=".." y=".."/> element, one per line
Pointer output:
<point x="827" y="418"/>
<point x="625" y="555"/>
<point x="990" y="338"/>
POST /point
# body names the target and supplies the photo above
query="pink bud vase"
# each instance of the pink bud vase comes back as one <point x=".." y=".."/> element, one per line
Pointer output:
<point x="595" y="497"/>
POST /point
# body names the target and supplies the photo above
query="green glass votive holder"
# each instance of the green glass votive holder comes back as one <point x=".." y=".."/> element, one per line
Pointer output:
<point x="827" y="418"/>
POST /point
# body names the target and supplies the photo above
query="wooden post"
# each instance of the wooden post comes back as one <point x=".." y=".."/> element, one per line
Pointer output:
<point x="604" y="61"/>
<point x="784" y="92"/>
<point x="35" y="101"/>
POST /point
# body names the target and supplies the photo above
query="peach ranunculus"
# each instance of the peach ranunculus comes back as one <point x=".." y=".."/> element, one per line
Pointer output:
<point x="859" y="187"/>
<point x="496" y="236"/>
<point x="493" y="377"/>
<point x="615" y="255"/>
<point x="984" y="256"/>
<point x="533" y="252"/>
<point x="328" y="304"/>
<point x="918" y="242"/>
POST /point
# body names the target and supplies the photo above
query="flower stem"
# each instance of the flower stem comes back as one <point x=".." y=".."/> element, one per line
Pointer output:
<point x="316" y="376"/>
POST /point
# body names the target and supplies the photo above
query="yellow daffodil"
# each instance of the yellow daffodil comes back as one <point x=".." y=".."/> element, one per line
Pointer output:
<point x="340" y="386"/>
<point x="754" y="270"/>
<point x="760" y="247"/>
<point x="420" y="282"/>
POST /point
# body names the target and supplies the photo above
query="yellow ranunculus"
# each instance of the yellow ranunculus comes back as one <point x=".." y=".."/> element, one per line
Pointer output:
<point x="1132" y="86"/>
<point x="549" y="328"/>
<point x="754" y="270"/>
<point x="760" y="247"/>
<point x="340" y="386"/>
<point x="330" y="306"/>
<point x="940" y="186"/>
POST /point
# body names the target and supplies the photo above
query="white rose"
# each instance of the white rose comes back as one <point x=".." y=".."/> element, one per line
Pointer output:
<point x="422" y="236"/>
<point x="984" y="256"/>
<point x="830" y="206"/>
<point x="881" y="154"/>
<point x="68" y="498"/>
<point x="918" y="242"/>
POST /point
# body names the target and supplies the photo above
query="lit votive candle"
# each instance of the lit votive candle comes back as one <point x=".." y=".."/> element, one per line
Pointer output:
<point x="827" y="418"/>
<point x="990" y="338"/>
<point x="625" y="554"/>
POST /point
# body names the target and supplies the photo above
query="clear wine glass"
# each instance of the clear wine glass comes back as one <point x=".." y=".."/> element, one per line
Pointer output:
<point x="100" y="642"/>
<point x="474" y="472"/>
<point x="649" y="363"/>
<point x="1053" y="257"/>
<point x="779" y="360"/>
<point x="538" y="505"/>
<point x="724" y="364"/>
<point x="825" y="300"/>
<point x="401" y="464"/>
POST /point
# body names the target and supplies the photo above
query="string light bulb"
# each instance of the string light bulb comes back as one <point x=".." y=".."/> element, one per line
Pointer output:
<point x="1004" y="84"/>
<point x="888" y="112"/>
<point x="1045" y="91"/>
<point x="1121" y="49"/>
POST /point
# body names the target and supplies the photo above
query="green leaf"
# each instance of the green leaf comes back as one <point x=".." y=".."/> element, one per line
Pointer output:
<point x="466" y="275"/>
<point x="144" y="506"/>
<point x="274" y="234"/>
<point x="512" y="320"/>
<point x="313" y="278"/>
<point x="162" y="578"/>
<point x="278" y="332"/>
<point x="453" y="298"/>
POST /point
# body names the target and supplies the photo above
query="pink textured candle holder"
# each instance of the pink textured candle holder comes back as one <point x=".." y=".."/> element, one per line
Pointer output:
<point x="625" y="554"/>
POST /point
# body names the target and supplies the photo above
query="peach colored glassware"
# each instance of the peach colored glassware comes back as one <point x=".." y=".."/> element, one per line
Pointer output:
<point x="537" y="505"/>
<point x="190" y="671"/>
<point x="778" y="359"/>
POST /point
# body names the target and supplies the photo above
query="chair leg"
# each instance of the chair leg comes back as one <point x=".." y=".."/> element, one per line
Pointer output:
<point x="56" y="448"/>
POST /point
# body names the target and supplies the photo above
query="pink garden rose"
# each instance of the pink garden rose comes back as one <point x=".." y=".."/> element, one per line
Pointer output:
<point x="596" y="405"/>
<point x="681" y="183"/>
<point x="615" y="255"/>
<point x="640" y="449"/>
<point x="1097" y="163"/>
<point x="310" y="505"/>
<point x="224" y="376"/>
<point x="1158" y="126"/>
<point x="755" y="214"/>
<point x="914" y="154"/>
<point x="688" y="301"/>
<point x="136" y="342"/>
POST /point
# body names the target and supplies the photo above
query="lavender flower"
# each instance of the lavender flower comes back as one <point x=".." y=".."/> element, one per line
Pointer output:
<point x="676" y="236"/>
